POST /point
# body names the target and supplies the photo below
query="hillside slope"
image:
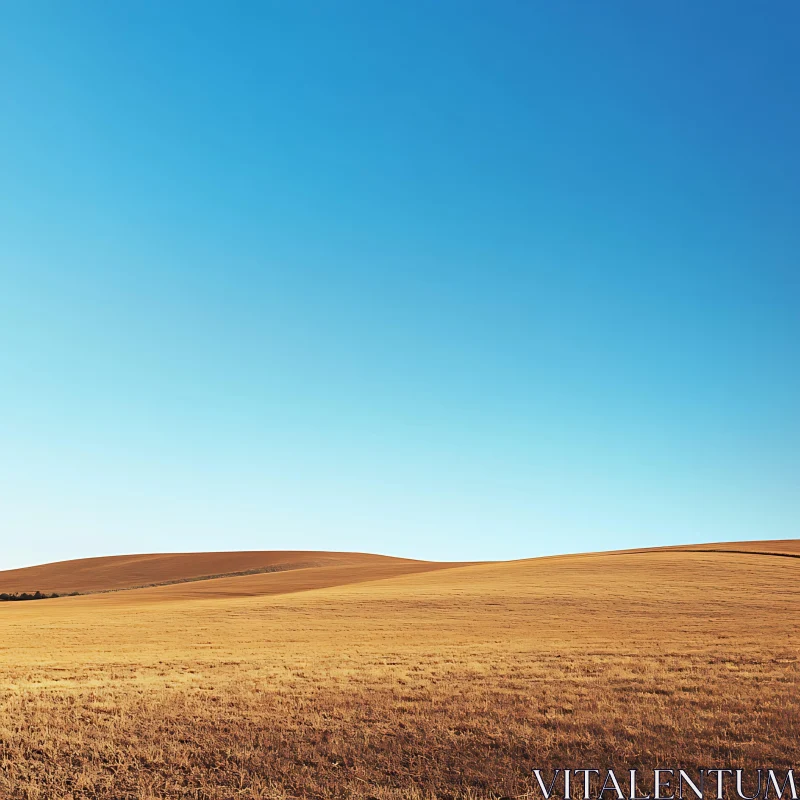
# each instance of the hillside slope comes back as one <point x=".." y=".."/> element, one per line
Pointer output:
<point x="134" y="571"/>
<point x="768" y="547"/>
<point x="268" y="572"/>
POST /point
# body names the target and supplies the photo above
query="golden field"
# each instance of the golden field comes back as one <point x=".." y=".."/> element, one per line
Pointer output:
<point x="341" y="675"/>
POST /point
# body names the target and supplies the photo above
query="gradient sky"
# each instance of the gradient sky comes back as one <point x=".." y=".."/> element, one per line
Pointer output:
<point x="447" y="280"/>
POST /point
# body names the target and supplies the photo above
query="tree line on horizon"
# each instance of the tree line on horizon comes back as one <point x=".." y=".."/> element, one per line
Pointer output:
<point x="37" y="595"/>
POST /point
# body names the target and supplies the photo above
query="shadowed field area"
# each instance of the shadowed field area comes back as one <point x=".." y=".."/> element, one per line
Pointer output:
<point x="453" y="682"/>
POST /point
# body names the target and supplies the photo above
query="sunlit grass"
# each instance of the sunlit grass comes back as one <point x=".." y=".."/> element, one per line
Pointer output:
<point x="454" y="683"/>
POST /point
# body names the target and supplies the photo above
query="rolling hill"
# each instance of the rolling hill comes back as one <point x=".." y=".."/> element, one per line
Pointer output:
<point x="115" y="573"/>
<point x="247" y="573"/>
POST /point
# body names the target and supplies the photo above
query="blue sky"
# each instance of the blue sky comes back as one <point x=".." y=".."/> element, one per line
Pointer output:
<point x="437" y="279"/>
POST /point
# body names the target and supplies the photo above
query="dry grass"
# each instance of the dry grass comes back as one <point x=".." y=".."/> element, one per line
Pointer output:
<point x="454" y="683"/>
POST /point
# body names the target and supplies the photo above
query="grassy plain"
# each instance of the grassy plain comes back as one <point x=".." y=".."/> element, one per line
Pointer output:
<point x="453" y="682"/>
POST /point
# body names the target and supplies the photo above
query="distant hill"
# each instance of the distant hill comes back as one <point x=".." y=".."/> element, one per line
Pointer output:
<point x="269" y="572"/>
<point x="784" y="547"/>
<point x="112" y="573"/>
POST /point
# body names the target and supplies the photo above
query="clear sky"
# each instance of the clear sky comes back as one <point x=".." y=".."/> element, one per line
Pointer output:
<point x="448" y="280"/>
